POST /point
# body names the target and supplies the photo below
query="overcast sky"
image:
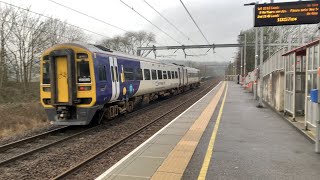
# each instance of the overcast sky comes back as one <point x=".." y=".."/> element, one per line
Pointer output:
<point x="220" y="20"/>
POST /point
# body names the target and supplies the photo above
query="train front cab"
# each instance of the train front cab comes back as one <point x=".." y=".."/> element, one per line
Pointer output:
<point x="67" y="87"/>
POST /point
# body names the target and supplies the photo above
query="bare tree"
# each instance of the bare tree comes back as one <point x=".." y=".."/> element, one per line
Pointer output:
<point x="277" y="34"/>
<point x="59" y="32"/>
<point x="129" y="41"/>
<point x="7" y="15"/>
<point x="30" y="36"/>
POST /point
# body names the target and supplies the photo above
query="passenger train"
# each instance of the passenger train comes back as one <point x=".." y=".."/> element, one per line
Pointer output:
<point x="82" y="82"/>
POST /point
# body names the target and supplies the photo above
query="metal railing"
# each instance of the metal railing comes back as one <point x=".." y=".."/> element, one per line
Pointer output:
<point x="274" y="63"/>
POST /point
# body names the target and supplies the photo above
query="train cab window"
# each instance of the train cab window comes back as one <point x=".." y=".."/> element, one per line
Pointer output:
<point x="169" y="75"/>
<point x="172" y="74"/>
<point x="128" y="74"/>
<point x="147" y="74"/>
<point x="46" y="72"/>
<point x="139" y="75"/>
<point x="102" y="73"/>
<point x="83" y="72"/>
<point x="176" y="74"/>
<point x="159" y="74"/>
<point x="164" y="74"/>
<point x="154" y="74"/>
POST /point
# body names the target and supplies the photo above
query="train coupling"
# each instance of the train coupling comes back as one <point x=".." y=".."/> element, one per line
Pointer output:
<point x="63" y="112"/>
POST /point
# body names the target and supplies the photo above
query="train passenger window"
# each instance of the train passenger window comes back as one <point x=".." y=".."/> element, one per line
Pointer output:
<point x="147" y="74"/>
<point x="128" y="74"/>
<point x="46" y="72"/>
<point x="159" y="74"/>
<point x="172" y="74"/>
<point x="83" y="72"/>
<point x="112" y="73"/>
<point x="117" y="74"/>
<point x="176" y="74"/>
<point x="139" y="75"/>
<point x="102" y="73"/>
<point x="169" y="75"/>
<point x="164" y="74"/>
<point x="154" y="74"/>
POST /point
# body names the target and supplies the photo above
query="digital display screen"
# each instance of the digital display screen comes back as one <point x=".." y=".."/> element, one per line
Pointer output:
<point x="82" y="56"/>
<point x="288" y="13"/>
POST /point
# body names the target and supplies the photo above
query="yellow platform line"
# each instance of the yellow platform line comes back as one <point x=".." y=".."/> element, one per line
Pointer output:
<point x="175" y="164"/>
<point x="207" y="158"/>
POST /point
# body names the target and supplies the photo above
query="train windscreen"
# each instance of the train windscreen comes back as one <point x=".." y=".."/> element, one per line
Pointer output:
<point x="46" y="73"/>
<point x="83" y="72"/>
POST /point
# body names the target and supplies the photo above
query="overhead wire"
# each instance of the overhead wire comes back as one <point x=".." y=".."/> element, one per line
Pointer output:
<point x="200" y="30"/>
<point x="25" y="9"/>
<point x="29" y="27"/>
<point x="166" y="19"/>
<point x="87" y="15"/>
<point x="107" y="22"/>
<point x="150" y="22"/>
<point x="194" y="21"/>
<point x="67" y="7"/>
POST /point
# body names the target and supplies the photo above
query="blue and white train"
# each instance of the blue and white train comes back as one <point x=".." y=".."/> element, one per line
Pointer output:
<point x="82" y="82"/>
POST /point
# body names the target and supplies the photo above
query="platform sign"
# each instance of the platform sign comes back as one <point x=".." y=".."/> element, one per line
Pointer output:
<point x="287" y="13"/>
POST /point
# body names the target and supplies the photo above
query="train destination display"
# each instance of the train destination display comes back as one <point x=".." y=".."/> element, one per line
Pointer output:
<point x="288" y="13"/>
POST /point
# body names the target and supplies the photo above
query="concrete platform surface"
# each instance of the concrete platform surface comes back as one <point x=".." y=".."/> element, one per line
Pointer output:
<point x="253" y="143"/>
<point x="171" y="148"/>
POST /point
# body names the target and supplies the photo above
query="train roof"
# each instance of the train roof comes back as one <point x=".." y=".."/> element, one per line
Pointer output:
<point x="104" y="50"/>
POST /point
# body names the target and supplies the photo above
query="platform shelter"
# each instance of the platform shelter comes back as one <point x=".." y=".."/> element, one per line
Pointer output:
<point x="302" y="77"/>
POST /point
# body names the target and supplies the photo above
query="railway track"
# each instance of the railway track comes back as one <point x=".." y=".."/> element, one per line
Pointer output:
<point x="18" y="158"/>
<point x="116" y="144"/>
<point x="22" y="148"/>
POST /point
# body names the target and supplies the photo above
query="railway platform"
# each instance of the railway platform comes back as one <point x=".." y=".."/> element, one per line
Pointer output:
<point x="222" y="136"/>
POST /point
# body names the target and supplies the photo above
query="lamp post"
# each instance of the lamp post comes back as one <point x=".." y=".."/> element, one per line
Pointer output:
<point x="256" y="56"/>
<point x="260" y="105"/>
<point x="255" y="51"/>
<point x="244" y="56"/>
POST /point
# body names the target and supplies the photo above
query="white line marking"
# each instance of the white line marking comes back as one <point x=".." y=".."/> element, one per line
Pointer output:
<point x="144" y="143"/>
<point x="145" y="177"/>
<point x="153" y="157"/>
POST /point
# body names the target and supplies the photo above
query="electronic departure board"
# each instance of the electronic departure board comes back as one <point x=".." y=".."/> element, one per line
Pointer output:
<point x="288" y="13"/>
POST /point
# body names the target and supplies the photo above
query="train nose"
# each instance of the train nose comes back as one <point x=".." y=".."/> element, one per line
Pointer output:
<point x="62" y="75"/>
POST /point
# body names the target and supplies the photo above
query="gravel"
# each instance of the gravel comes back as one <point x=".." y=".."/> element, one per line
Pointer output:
<point x="52" y="161"/>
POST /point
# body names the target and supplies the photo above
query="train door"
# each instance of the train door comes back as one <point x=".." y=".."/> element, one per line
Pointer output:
<point x="179" y="73"/>
<point x="62" y="79"/>
<point x="187" y="76"/>
<point x="117" y="79"/>
<point x="114" y="78"/>
<point x="182" y="75"/>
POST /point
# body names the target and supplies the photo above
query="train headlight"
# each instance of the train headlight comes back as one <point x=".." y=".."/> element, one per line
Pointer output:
<point x="46" y="89"/>
<point x="84" y="88"/>
<point x="46" y="101"/>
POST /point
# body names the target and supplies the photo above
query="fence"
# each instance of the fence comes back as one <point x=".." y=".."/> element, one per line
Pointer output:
<point x="274" y="62"/>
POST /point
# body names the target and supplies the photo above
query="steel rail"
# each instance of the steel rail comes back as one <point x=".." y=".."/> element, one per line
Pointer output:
<point x="6" y="147"/>
<point x="28" y="139"/>
<point x="22" y="155"/>
<point x="121" y="141"/>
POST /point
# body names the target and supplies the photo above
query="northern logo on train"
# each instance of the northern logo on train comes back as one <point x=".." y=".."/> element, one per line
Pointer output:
<point x="131" y="89"/>
<point x="124" y="91"/>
